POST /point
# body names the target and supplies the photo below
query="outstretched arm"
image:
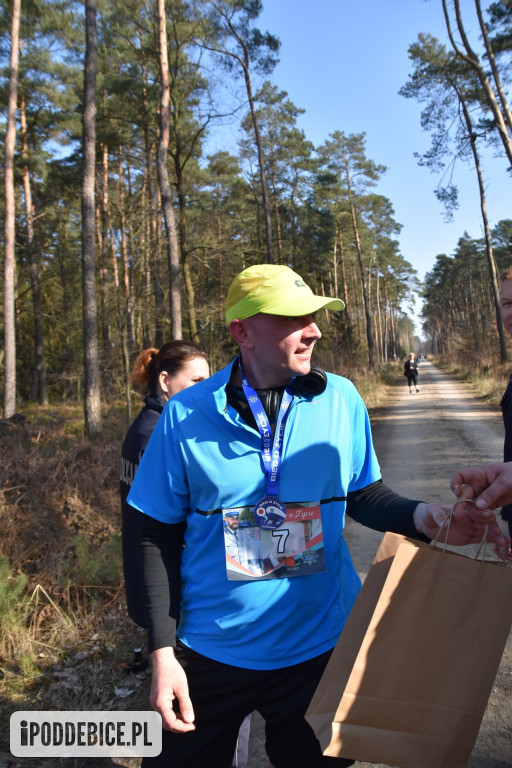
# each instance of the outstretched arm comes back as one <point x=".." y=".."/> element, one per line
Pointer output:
<point x="378" y="507"/>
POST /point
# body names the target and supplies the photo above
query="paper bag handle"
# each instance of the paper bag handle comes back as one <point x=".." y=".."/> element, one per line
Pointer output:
<point x="447" y="522"/>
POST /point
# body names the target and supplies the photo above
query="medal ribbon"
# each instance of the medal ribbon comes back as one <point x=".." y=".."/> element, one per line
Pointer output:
<point x="271" y="451"/>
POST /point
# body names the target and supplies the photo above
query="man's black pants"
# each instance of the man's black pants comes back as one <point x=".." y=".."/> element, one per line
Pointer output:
<point x="223" y="695"/>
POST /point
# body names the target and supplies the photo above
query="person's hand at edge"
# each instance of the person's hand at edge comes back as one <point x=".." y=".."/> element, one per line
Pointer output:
<point x="466" y="527"/>
<point x="489" y="484"/>
<point x="169" y="682"/>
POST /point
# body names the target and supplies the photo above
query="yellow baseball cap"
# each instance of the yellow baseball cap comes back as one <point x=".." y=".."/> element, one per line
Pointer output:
<point x="273" y="290"/>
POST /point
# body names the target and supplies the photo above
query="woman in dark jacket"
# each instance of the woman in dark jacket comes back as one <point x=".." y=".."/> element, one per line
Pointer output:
<point x="411" y="371"/>
<point x="161" y="373"/>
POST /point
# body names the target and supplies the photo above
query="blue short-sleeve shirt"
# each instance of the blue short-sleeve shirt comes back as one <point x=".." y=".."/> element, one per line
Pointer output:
<point x="202" y="458"/>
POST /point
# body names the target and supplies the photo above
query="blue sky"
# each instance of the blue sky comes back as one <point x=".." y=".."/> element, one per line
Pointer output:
<point x="343" y="61"/>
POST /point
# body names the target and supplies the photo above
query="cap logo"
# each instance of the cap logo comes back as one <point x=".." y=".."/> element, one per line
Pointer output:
<point x="300" y="284"/>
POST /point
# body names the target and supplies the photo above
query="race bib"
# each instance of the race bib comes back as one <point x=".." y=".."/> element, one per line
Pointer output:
<point x="296" y="548"/>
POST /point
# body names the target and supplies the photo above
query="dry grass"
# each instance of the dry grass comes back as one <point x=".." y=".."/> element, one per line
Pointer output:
<point x="62" y="611"/>
<point x="56" y="485"/>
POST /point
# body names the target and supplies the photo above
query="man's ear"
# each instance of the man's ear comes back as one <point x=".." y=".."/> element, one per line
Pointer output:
<point x="240" y="332"/>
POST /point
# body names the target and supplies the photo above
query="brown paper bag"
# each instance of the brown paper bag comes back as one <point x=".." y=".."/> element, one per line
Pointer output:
<point x="409" y="679"/>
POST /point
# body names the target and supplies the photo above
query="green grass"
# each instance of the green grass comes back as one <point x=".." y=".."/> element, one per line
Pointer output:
<point x="92" y="567"/>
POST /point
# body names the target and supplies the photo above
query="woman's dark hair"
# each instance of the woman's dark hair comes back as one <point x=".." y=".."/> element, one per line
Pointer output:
<point x="171" y="358"/>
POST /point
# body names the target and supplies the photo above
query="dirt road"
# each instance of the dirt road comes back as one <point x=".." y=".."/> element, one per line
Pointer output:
<point x="420" y="439"/>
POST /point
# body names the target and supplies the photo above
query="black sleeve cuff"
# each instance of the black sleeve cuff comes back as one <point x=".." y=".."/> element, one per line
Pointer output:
<point x="380" y="508"/>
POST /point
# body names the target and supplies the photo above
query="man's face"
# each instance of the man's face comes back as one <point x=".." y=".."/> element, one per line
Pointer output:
<point x="232" y="522"/>
<point x="506" y="304"/>
<point x="280" y="348"/>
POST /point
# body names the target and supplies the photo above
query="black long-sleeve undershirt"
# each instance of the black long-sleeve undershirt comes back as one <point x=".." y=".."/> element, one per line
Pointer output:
<point x="162" y="547"/>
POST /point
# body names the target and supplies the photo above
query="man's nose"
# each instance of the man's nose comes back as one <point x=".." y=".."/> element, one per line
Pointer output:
<point x="312" y="331"/>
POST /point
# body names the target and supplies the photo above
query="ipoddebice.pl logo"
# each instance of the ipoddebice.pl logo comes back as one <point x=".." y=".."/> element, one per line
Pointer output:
<point x="85" y="734"/>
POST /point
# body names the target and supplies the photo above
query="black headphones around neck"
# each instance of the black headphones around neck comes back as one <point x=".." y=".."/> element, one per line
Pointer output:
<point x="312" y="384"/>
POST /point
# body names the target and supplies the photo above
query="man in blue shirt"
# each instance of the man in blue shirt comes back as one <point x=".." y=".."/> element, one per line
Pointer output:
<point x="280" y="443"/>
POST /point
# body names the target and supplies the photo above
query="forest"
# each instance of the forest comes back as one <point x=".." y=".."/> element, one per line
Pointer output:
<point x="121" y="231"/>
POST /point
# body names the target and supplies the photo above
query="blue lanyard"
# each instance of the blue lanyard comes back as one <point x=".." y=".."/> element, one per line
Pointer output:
<point x="271" y="451"/>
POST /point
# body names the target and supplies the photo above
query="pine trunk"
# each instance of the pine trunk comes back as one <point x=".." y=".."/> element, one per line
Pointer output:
<point x="39" y="390"/>
<point x="10" y="217"/>
<point x="163" y="179"/>
<point x="92" y="401"/>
